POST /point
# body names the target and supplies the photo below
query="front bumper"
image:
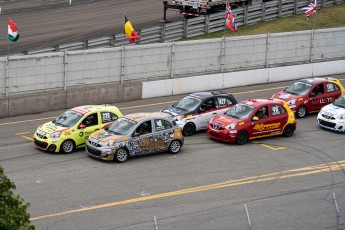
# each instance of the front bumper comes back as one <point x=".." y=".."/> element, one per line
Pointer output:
<point x="331" y="124"/>
<point x="223" y="135"/>
<point x="46" y="144"/>
<point x="106" y="154"/>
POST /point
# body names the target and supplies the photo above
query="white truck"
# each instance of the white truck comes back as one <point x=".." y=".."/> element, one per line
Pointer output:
<point x="193" y="8"/>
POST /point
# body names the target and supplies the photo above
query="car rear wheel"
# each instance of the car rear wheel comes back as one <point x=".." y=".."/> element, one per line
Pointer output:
<point x="175" y="146"/>
<point x="121" y="155"/>
<point x="301" y="112"/>
<point x="67" y="146"/>
<point x="288" y="130"/>
<point x="242" y="138"/>
<point x="188" y="129"/>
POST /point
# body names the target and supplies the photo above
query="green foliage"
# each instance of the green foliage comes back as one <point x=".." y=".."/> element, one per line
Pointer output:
<point x="13" y="209"/>
<point x="326" y="17"/>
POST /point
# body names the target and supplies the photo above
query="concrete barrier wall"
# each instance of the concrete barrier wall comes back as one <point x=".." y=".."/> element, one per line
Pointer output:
<point x="240" y="78"/>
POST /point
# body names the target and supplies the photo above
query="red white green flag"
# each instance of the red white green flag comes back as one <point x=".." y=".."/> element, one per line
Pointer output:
<point x="13" y="34"/>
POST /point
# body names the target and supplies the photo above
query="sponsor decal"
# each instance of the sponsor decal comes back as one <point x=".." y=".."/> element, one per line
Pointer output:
<point x="265" y="127"/>
<point x="284" y="96"/>
<point x="322" y="100"/>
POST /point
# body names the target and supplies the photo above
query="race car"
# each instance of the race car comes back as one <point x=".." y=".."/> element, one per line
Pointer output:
<point x="136" y="134"/>
<point x="252" y="119"/>
<point x="72" y="128"/>
<point x="310" y="95"/>
<point x="193" y="112"/>
<point x="332" y="116"/>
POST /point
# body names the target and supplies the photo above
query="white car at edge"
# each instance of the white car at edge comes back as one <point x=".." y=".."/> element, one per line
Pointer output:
<point x="332" y="116"/>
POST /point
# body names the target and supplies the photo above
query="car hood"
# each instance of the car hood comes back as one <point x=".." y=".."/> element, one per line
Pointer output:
<point x="174" y="111"/>
<point x="224" y="120"/>
<point x="49" y="128"/>
<point x="333" y="110"/>
<point x="103" y="135"/>
<point x="286" y="96"/>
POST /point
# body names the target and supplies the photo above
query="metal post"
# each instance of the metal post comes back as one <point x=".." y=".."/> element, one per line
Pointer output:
<point x="162" y="33"/>
<point x="295" y="7"/>
<point x="122" y="63"/>
<point x="207" y="24"/>
<point x="85" y="44"/>
<point x="222" y="55"/>
<point x="245" y="15"/>
<point x="263" y="10"/>
<point x="280" y="8"/>
<point x="65" y="70"/>
<point x="311" y="45"/>
<point x="185" y="27"/>
<point x="337" y="209"/>
<point x="267" y="49"/>
<point x="156" y="225"/>
<point x="248" y="218"/>
<point x="172" y="59"/>
<point x="7" y="78"/>
<point x="112" y="40"/>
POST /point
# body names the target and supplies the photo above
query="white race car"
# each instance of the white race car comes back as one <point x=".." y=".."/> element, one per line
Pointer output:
<point x="193" y="112"/>
<point x="332" y="116"/>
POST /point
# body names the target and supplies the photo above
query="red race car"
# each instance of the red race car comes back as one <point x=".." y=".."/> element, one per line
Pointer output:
<point x="252" y="119"/>
<point x="311" y="94"/>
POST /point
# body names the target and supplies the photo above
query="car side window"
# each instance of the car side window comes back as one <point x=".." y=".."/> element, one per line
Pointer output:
<point x="144" y="128"/>
<point x="90" y="120"/>
<point x="162" y="124"/>
<point x="318" y="90"/>
<point x="331" y="87"/>
<point x="208" y="104"/>
<point x="223" y="102"/>
<point x="262" y="112"/>
<point x="108" y="117"/>
<point x="277" y="110"/>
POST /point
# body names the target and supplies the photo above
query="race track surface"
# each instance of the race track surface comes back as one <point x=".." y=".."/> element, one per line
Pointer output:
<point x="46" y="23"/>
<point x="285" y="183"/>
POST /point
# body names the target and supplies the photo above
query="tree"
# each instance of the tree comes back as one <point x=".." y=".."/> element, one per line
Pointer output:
<point x="13" y="209"/>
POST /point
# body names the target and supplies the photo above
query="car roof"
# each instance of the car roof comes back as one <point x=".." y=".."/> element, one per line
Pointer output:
<point x="262" y="102"/>
<point x="143" y="116"/>
<point x="92" y="108"/>
<point x="315" y="80"/>
<point x="209" y="94"/>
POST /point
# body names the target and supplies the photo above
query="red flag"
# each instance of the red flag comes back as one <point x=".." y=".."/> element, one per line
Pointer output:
<point x="129" y="31"/>
<point x="229" y="18"/>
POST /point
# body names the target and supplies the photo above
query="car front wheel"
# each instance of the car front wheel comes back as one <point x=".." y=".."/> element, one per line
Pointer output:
<point x="188" y="129"/>
<point x="301" y="112"/>
<point x="175" y="146"/>
<point x="121" y="155"/>
<point x="67" y="146"/>
<point x="242" y="138"/>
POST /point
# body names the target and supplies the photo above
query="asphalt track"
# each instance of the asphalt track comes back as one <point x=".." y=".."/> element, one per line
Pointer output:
<point x="285" y="183"/>
<point x="46" y="23"/>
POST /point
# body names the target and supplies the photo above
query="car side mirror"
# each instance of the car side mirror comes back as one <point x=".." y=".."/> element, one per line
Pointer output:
<point x="82" y="126"/>
<point x="255" y="118"/>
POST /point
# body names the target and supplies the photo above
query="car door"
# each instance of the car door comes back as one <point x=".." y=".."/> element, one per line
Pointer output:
<point x="163" y="132"/>
<point x="279" y="118"/>
<point x="143" y="135"/>
<point x="333" y="92"/>
<point x="207" y="111"/>
<point x="317" y="97"/>
<point x="89" y="124"/>
<point x="265" y="125"/>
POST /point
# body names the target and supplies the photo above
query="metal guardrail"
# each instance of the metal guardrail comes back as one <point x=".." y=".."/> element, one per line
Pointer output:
<point x="168" y="32"/>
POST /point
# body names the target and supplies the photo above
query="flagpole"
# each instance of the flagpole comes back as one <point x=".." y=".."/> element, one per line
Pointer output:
<point x="226" y="4"/>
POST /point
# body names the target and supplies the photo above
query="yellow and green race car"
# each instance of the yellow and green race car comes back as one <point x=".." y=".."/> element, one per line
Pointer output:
<point x="72" y="128"/>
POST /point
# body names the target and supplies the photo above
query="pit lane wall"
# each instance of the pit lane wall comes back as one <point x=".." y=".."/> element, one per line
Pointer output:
<point x="52" y="81"/>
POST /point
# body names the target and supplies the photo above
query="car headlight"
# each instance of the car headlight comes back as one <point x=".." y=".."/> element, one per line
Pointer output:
<point x="231" y="126"/>
<point x="292" y="102"/>
<point x="341" y="116"/>
<point x="55" y="135"/>
<point x="178" y="118"/>
<point x="106" y="143"/>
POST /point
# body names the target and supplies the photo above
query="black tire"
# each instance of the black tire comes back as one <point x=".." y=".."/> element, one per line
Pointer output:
<point x="121" y="155"/>
<point x="242" y="138"/>
<point x="67" y="146"/>
<point x="288" y="130"/>
<point x="175" y="146"/>
<point x="301" y="111"/>
<point x="188" y="129"/>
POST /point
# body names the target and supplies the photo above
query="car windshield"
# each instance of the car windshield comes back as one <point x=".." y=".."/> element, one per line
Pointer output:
<point x="68" y="119"/>
<point x="188" y="103"/>
<point x="240" y="111"/>
<point x="121" y="126"/>
<point x="340" y="102"/>
<point x="298" y="88"/>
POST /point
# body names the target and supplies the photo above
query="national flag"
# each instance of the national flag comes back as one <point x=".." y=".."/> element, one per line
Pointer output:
<point x="129" y="31"/>
<point x="230" y="19"/>
<point x="310" y="9"/>
<point x="13" y="34"/>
